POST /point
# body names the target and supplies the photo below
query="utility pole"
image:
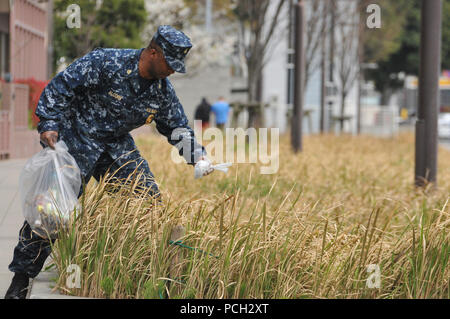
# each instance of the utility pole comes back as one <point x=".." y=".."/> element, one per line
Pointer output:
<point x="429" y="71"/>
<point x="323" y="67"/>
<point x="360" y="4"/>
<point x="290" y="57"/>
<point x="332" y="8"/>
<point x="299" y="76"/>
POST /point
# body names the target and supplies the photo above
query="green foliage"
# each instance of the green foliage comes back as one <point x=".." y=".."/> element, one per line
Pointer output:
<point x="114" y="24"/>
<point x="108" y="286"/>
<point x="445" y="51"/>
<point x="405" y="57"/>
<point x="380" y="43"/>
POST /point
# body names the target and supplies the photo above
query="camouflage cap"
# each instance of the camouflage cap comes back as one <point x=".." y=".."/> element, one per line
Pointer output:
<point x="175" y="45"/>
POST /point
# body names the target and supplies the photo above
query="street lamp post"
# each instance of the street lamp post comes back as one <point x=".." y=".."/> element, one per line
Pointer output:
<point x="322" y="68"/>
<point x="299" y="75"/>
<point x="331" y="8"/>
<point x="426" y="125"/>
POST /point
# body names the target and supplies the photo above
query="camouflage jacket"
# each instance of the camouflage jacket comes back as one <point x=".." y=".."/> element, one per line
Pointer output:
<point x="97" y="101"/>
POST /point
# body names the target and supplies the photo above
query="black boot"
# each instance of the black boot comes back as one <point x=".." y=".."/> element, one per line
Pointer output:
<point x="19" y="287"/>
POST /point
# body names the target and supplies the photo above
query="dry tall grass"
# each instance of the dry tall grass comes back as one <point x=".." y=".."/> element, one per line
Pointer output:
<point x="309" y="231"/>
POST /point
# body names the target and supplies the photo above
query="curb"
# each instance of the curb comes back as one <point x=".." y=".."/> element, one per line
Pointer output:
<point x="42" y="287"/>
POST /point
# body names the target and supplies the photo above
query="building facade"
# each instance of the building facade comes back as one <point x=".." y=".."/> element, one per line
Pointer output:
<point x="23" y="55"/>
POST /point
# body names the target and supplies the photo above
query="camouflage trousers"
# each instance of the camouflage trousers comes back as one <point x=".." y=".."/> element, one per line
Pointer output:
<point x="32" y="250"/>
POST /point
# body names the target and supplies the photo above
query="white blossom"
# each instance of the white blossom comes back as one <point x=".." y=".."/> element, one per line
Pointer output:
<point x="208" y="48"/>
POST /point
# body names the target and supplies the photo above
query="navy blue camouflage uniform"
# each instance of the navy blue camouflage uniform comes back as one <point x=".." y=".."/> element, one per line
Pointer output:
<point x="93" y="105"/>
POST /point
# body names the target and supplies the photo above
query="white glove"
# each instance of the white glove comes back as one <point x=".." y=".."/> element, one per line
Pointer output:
<point x="205" y="167"/>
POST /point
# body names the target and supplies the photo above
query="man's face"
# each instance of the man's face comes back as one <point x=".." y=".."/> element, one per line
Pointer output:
<point x="158" y="67"/>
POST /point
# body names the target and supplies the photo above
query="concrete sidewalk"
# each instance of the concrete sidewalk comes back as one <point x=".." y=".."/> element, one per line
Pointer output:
<point x="11" y="218"/>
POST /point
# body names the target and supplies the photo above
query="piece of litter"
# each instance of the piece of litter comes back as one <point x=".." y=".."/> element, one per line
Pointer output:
<point x="203" y="166"/>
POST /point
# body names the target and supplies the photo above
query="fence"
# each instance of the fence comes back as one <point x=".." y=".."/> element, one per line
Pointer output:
<point x="380" y="120"/>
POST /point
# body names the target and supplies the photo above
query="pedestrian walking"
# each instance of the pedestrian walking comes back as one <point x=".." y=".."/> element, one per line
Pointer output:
<point x="221" y="110"/>
<point x="202" y="113"/>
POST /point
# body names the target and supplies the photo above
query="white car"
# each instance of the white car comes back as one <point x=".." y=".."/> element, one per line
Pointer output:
<point x="444" y="125"/>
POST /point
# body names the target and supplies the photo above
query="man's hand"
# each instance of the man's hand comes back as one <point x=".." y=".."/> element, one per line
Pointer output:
<point x="210" y="170"/>
<point x="49" y="138"/>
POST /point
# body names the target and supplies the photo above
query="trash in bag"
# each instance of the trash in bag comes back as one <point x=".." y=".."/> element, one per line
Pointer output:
<point x="49" y="186"/>
<point x="201" y="167"/>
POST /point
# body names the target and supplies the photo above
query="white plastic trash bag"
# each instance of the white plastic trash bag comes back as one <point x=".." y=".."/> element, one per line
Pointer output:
<point x="201" y="167"/>
<point x="49" y="185"/>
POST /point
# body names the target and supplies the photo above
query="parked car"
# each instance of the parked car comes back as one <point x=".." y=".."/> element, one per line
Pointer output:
<point x="444" y="125"/>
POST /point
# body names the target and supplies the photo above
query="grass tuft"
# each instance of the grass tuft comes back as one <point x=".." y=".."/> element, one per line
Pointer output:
<point x="308" y="231"/>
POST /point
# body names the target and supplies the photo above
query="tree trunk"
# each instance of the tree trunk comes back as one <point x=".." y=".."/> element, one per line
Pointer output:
<point x="322" y="86"/>
<point x="341" y="120"/>
<point x="255" y="87"/>
<point x="251" y="84"/>
<point x="385" y="96"/>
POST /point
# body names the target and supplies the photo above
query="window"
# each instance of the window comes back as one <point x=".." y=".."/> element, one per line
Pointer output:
<point x="4" y="42"/>
<point x="4" y="54"/>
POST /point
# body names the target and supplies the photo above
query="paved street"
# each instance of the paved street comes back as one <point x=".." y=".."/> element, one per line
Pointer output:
<point x="11" y="218"/>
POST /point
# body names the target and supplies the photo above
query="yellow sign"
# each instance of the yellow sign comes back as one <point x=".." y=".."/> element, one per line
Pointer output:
<point x="442" y="82"/>
<point x="404" y="114"/>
